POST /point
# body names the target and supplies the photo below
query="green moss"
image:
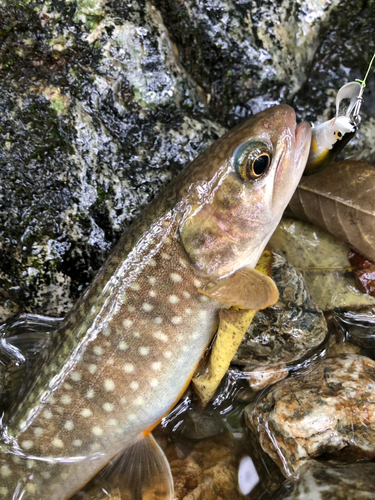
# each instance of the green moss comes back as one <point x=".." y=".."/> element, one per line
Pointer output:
<point x="58" y="105"/>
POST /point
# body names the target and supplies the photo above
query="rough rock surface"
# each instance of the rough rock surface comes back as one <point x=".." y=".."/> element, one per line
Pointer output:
<point x="103" y="102"/>
<point x="283" y="334"/>
<point x="331" y="480"/>
<point x="330" y="410"/>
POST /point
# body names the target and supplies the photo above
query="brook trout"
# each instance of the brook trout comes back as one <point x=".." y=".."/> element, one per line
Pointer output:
<point x="128" y="349"/>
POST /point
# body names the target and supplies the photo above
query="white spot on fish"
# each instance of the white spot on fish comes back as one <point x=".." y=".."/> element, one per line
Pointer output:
<point x="132" y="417"/>
<point x="38" y="431"/>
<point x="152" y="293"/>
<point x="123" y="346"/>
<point x="176" y="320"/>
<point x="123" y="401"/>
<point x="147" y="307"/>
<point x="173" y="299"/>
<point x="158" y="320"/>
<point x="131" y="309"/>
<point x="165" y="256"/>
<point x="188" y="310"/>
<point x="152" y="280"/>
<point x="30" y="464"/>
<point x="128" y="368"/>
<point x="5" y="471"/>
<point x="143" y="351"/>
<point x="106" y="331"/>
<point x="97" y="431"/>
<point x="156" y="365"/>
<point x="98" y="350"/>
<point x="3" y="490"/>
<point x="57" y="443"/>
<point x="160" y="336"/>
<point x="136" y="335"/>
<point x="109" y="385"/>
<point x="135" y="286"/>
<point x="47" y="414"/>
<point x="90" y="393"/>
<point x="45" y="475"/>
<point x="112" y="422"/>
<point x="202" y="314"/>
<point x="86" y="412"/>
<point x="66" y="399"/>
<point x="123" y="298"/>
<point x="154" y="382"/>
<point x="110" y="362"/>
<point x="69" y="426"/>
<point x="127" y="323"/>
<point x="134" y="385"/>
<point x="67" y="386"/>
<point x="139" y="401"/>
<point x="175" y="277"/>
<point x="108" y="407"/>
<point x="167" y="354"/>
<point x="75" y="376"/>
<point x="92" y="369"/>
<point x="152" y="262"/>
<point x="31" y="488"/>
<point x="197" y="283"/>
<point x="186" y="295"/>
<point x="77" y="443"/>
<point x="204" y="298"/>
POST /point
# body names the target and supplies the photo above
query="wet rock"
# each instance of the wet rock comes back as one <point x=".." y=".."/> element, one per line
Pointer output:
<point x="207" y="471"/>
<point x="281" y="335"/>
<point x="357" y="325"/>
<point x="330" y="480"/>
<point x="329" y="410"/>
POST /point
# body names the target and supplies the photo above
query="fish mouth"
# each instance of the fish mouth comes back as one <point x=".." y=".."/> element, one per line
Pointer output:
<point x="302" y="145"/>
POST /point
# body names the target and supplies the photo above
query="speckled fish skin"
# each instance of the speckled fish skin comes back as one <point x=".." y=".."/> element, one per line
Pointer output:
<point x="131" y="344"/>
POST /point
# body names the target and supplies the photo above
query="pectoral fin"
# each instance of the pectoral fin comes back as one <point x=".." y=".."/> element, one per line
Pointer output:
<point x="141" y="472"/>
<point x="247" y="288"/>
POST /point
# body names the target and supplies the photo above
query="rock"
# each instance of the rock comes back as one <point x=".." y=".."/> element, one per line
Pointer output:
<point x="92" y="126"/>
<point x="208" y="472"/>
<point x="329" y="410"/>
<point x="330" y="480"/>
<point x="281" y="335"/>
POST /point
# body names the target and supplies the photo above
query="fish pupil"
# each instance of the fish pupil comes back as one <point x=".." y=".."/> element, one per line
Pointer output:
<point x="260" y="164"/>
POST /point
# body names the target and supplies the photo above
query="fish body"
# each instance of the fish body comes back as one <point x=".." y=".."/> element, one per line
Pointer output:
<point x="128" y="349"/>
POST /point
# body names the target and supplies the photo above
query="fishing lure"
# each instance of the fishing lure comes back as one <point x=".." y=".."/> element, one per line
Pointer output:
<point x="330" y="138"/>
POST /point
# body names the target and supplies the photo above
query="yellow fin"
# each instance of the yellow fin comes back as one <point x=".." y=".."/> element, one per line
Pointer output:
<point x="247" y="288"/>
<point x="141" y="472"/>
<point x="232" y="328"/>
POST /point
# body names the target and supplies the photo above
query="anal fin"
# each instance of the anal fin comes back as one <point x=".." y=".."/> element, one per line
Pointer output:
<point x="141" y="472"/>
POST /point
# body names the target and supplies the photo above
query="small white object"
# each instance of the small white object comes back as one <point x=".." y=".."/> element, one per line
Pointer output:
<point x="248" y="477"/>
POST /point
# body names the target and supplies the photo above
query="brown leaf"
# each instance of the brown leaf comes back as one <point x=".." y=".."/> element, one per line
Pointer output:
<point x="341" y="200"/>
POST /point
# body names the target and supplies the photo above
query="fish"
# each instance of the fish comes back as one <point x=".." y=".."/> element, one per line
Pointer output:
<point x="124" y="355"/>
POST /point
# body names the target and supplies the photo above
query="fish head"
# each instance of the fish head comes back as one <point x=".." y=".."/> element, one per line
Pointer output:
<point x="242" y="185"/>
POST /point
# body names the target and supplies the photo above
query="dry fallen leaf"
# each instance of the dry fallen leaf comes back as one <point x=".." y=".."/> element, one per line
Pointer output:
<point x="341" y="200"/>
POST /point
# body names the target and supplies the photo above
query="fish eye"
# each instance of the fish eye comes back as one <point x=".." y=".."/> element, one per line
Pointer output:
<point x="252" y="160"/>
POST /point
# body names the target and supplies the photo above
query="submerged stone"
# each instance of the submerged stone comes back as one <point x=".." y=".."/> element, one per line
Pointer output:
<point x="284" y="335"/>
<point x="329" y="410"/>
<point x="330" y="480"/>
